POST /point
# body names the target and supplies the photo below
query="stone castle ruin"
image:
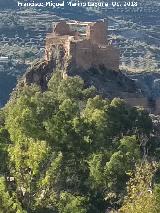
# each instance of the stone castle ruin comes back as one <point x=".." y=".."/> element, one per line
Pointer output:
<point x="84" y="49"/>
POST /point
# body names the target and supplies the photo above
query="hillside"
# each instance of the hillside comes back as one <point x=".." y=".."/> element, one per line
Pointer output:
<point x="78" y="134"/>
<point x="136" y="35"/>
<point x="67" y="149"/>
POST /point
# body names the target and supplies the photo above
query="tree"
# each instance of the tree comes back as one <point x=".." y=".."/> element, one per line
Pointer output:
<point x="8" y="203"/>
<point x="71" y="150"/>
<point x="69" y="203"/>
<point x="141" y="196"/>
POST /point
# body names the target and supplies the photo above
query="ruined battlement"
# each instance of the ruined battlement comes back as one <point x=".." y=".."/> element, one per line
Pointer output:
<point x="84" y="43"/>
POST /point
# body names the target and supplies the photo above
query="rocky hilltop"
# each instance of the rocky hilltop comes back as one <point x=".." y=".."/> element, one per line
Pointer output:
<point x="91" y="57"/>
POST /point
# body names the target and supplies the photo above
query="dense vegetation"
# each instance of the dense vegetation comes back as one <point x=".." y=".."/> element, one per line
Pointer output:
<point x="68" y="150"/>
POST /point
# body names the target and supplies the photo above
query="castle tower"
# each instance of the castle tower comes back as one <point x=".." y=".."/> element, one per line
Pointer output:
<point x="97" y="32"/>
<point x="61" y="29"/>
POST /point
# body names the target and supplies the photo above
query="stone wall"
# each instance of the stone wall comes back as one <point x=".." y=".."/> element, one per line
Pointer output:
<point x="62" y="28"/>
<point x="86" y="55"/>
<point x="53" y="44"/>
<point x="97" y="32"/>
<point x="91" y="51"/>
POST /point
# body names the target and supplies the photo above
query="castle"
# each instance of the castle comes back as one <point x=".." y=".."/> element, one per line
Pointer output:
<point x="83" y="46"/>
<point x="84" y="49"/>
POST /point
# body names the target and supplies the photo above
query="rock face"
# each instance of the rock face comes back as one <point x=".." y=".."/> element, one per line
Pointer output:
<point x="109" y="83"/>
<point x="137" y="90"/>
<point x="39" y="74"/>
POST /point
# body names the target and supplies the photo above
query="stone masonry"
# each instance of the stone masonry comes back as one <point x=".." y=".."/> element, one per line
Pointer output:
<point x="85" y="50"/>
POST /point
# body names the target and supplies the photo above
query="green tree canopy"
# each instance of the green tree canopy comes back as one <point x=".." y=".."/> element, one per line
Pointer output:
<point x="70" y="150"/>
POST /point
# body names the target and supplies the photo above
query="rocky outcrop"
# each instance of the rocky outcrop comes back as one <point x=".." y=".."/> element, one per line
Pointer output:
<point x="136" y="89"/>
<point x="109" y="83"/>
<point x="39" y="74"/>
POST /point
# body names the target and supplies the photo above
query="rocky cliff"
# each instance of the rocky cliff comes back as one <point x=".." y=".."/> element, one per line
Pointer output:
<point x="137" y="89"/>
